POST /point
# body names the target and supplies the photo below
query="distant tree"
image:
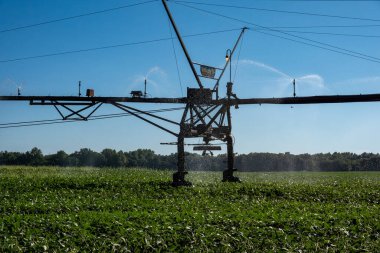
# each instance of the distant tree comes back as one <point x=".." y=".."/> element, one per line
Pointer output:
<point x="109" y="157"/>
<point x="167" y="161"/>
<point x="62" y="158"/>
<point x="122" y="159"/>
<point x="9" y="158"/>
<point x="113" y="158"/>
<point x="245" y="162"/>
<point x="87" y="157"/>
<point x="58" y="159"/>
<point x="141" y="158"/>
<point x="34" y="157"/>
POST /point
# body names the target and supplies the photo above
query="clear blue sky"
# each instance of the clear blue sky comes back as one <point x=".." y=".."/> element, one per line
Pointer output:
<point x="265" y="69"/>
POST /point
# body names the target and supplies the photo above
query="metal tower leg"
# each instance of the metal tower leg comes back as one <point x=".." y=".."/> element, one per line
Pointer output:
<point x="179" y="176"/>
<point x="228" y="174"/>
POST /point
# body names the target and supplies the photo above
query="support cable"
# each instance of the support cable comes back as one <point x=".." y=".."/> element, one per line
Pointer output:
<point x="238" y="58"/>
<point x="175" y="57"/>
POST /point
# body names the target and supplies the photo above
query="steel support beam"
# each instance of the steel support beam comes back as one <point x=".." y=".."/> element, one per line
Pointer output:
<point x="182" y="44"/>
<point x="146" y="120"/>
<point x="228" y="174"/>
<point x="229" y="59"/>
<point x="147" y="113"/>
<point x="179" y="176"/>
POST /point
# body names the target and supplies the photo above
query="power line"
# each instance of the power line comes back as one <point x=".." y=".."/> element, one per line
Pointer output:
<point x="28" y="122"/>
<point x="92" y="118"/>
<point x="325" y="48"/>
<point x="83" y="50"/>
<point x="335" y="34"/>
<point x="76" y="16"/>
<point x="60" y="121"/>
<point x="52" y="120"/>
<point x="347" y="52"/>
<point x="323" y="33"/>
<point x="279" y="31"/>
<point x="111" y="46"/>
<point x="278" y="11"/>
<point x="213" y="32"/>
<point x="322" y="26"/>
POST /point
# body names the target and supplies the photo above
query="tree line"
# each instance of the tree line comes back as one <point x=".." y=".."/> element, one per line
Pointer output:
<point x="244" y="162"/>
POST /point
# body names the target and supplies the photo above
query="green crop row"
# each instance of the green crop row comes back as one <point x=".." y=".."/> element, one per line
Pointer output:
<point x="137" y="210"/>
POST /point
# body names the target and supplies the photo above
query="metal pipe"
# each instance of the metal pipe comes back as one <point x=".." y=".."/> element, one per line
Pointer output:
<point x="229" y="60"/>
<point x="241" y="101"/>
<point x="38" y="99"/>
<point x="313" y="99"/>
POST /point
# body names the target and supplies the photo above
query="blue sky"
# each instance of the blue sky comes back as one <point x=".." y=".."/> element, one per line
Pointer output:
<point x="265" y="68"/>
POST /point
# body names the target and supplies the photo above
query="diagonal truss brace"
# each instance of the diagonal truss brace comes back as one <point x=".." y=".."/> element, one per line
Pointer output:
<point x="73" y="114"/>
<point x="135" y="112"/>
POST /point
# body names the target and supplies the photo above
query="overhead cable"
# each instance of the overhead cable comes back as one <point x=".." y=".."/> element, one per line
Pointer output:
<point x="335" y="48"/>
<point x="325" y="48"/>
<point x="334" y="34"/>
<point x="60" y="121"/>
<point x="76" y="16"/>
<point x="323" y="26"/>
<point x="320" y="33"/>
<point x="278" y="11"/>
<point x="111" y="46"/>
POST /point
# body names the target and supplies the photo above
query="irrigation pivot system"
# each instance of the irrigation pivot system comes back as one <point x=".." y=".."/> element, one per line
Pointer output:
<point x="205" y="115"/>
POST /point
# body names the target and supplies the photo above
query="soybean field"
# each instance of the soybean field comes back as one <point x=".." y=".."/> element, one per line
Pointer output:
<point x="49" y="209"/>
